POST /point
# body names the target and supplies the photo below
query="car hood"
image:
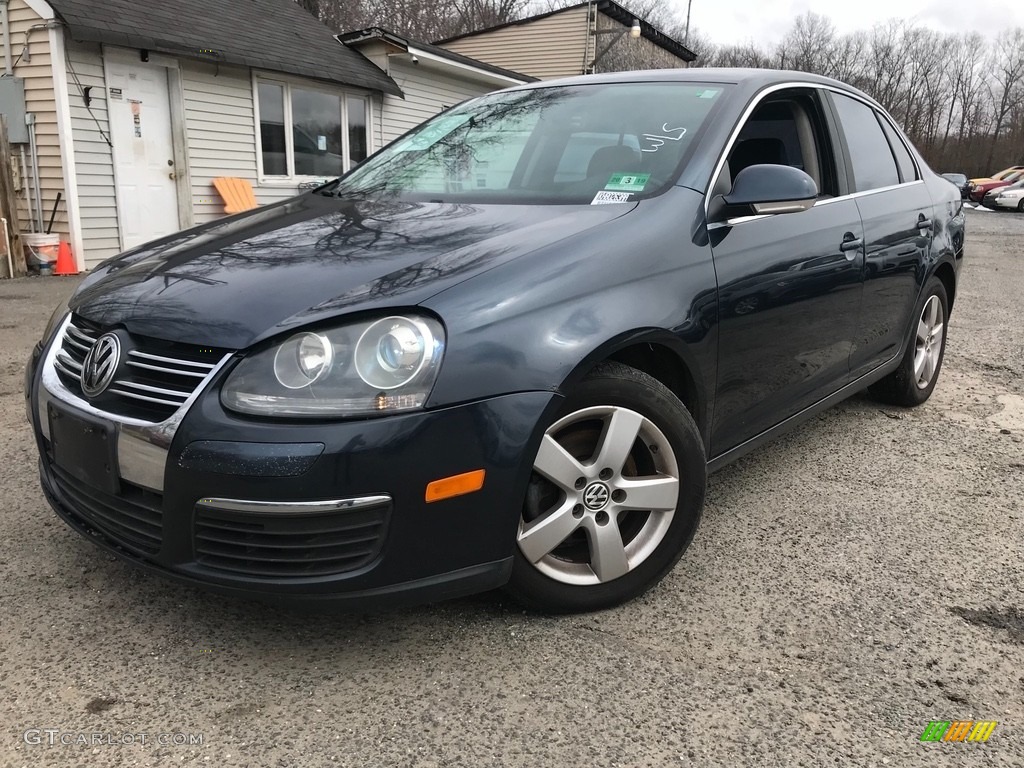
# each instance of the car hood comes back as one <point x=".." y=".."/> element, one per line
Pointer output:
<point x="239" y="280"/>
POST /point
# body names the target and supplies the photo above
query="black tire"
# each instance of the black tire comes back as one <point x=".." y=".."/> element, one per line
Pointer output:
<point x="1020" y="206"/>
<point x="612" y="391"/>
<point x="904" y="386"/>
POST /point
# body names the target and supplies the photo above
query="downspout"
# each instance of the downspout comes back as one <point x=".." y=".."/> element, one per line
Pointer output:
<point x="586" y="40"/>
<point x="24" y="180"/>
<point x="30" y="119"/>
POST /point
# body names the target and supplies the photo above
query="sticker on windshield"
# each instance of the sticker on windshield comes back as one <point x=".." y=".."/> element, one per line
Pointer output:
<point x="604" y="198"/>
<point x="708" y="93"/>
<point x="433" y="133"/>
<point x="627" y="182"/>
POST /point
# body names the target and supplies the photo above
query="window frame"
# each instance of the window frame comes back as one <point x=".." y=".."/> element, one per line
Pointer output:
<point x="287" y="83"/>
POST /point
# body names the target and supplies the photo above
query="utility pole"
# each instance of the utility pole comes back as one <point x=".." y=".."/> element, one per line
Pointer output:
<point x="686" y="35"/>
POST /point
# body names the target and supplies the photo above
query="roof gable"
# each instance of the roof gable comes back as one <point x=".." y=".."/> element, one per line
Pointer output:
<point x="608" y="8"/>
<point x="275" y="35"/>
<point x="360" y="37"/>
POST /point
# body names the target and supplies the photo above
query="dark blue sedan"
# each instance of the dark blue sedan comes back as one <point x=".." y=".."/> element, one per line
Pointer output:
<point x="506" y="350"/>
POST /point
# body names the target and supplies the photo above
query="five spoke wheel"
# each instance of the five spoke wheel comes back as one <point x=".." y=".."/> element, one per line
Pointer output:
<point x="930" y="337"/>
<point x="605" y="489"/>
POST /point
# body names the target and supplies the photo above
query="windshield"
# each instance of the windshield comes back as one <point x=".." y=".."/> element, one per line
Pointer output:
<point x="564" y="144"/>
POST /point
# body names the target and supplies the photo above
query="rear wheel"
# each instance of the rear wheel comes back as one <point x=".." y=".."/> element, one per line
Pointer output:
<point x="615" y="496"/>
<point x="914" y="381"/>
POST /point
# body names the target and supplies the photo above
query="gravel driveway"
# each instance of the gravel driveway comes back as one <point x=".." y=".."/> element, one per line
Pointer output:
<point x="850" y="582"/>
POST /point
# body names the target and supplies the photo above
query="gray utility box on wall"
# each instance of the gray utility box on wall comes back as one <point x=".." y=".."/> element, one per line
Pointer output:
<point x="12" y="107"/>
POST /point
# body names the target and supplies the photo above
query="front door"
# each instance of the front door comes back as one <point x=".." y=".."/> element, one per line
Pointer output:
<point x="789" y="304"/>
<point x="140" y="131"/>
<point x="789" y="285"/>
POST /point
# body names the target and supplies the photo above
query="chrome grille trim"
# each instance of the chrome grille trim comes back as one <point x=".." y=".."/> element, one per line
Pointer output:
<point x="142" y="445"/>
<point x="161" y="369"/>
<point x="160" y="382"/>
<point x="173" y="360"/>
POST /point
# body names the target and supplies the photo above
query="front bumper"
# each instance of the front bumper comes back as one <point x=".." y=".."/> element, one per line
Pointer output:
<point x="1000" y="202"/>
<point x="232" y="509"/>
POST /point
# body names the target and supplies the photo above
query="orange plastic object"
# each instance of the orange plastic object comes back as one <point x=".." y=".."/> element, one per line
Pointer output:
<point x="237" y="193"/>
<point x="456" y="485"/>
<point x="65" y="261"/>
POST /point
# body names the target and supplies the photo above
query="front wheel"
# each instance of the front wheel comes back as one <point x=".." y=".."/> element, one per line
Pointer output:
<point x="615" y="496"/>
<point x="914" y="381"/>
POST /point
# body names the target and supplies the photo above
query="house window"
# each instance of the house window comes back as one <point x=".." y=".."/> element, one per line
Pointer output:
<point x="308" y="132"/>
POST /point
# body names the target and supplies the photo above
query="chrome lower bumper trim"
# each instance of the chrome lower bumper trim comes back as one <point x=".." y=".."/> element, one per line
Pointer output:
<point x="293" y="507"/>
<point x="142" y="446"/>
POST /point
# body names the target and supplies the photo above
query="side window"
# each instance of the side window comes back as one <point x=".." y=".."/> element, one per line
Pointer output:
<point x="788" y="128"/>
<point x="908" y="171"/>
<point x="873" y="164"/>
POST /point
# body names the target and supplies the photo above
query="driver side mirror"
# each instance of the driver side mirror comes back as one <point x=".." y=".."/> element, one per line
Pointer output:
<point x="766" y="189"/>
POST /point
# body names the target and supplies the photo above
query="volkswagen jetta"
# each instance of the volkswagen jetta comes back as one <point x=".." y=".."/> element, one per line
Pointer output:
<point x="504" y="351"/>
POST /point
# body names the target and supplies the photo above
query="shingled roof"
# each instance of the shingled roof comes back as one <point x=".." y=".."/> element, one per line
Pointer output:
<point x="275" y="35"/>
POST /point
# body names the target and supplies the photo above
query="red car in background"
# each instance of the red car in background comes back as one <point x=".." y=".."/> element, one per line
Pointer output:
<point x="982" y="187"/>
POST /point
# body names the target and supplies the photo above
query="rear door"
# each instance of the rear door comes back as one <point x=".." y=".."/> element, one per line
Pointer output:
<point x="896" y="211"/>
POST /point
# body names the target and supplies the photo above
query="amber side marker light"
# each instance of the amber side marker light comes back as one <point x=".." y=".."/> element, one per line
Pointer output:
<point x="456" y="485"/>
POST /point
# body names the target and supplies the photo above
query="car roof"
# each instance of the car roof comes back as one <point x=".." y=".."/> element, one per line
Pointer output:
<point x="749" y="80"/>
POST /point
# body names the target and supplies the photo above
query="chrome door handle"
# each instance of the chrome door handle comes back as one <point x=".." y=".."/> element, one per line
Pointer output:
<point x="851" y="246"/>
<point x="923" y="222"/>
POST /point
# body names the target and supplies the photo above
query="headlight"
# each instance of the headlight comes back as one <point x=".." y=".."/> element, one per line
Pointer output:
<point x="373" y="367"/>
<point x="55" y="320"/>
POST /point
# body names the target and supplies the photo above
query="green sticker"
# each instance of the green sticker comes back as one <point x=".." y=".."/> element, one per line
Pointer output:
<point x="627" y="182"/>
<point x="708" y="93"/>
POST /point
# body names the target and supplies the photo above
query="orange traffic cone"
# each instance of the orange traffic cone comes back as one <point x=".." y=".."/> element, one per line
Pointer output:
<point x="65" y="261"/>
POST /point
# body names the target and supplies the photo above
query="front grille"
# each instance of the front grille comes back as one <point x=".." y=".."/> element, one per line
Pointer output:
<point x="133" y="519"/>
<point x="292" y="545"/>
<point x="157" y="377"/>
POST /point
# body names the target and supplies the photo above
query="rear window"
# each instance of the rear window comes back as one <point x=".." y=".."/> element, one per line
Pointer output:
<point x="565" y="144"/>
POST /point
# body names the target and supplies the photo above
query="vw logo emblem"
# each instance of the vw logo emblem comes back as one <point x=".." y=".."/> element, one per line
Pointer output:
<point x="596" y="496"/>
<point x="100" y="364"/>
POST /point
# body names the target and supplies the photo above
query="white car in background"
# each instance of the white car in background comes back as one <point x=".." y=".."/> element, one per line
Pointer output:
<point x="1010" y="197"/>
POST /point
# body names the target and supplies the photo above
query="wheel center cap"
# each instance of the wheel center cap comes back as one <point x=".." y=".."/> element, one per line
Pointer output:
<point x="596" y="496"/>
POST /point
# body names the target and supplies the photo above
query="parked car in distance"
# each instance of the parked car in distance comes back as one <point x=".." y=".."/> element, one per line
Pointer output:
<point x="498" y="353"/>
<point x="1011" y="197"/>
<point x="959" y="180"/>
<point x="977" y="191"/>
<point x="999" y="176"/>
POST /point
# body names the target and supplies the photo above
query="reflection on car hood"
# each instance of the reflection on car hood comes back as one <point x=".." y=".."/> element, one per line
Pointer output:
<point x="239" y="280"/>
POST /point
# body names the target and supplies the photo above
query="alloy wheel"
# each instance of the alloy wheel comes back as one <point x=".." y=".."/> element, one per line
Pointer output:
<point x="602" y="498"/>
<point x="929" y="342"/>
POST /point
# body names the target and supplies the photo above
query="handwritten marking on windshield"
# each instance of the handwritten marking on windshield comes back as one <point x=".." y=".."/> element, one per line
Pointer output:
<point x="658" y="140"/>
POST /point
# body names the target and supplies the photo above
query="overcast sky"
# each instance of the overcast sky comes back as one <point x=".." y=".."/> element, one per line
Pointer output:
<point x="738" y="21"/>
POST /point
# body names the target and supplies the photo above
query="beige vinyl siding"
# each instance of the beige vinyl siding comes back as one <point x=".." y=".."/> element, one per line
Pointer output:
<point x="221" y="130"/>
<point x="554" y="46"/>
<point x="427" y="91"/>
<point x="39" y="98"/>
<point x="94" y="163"/>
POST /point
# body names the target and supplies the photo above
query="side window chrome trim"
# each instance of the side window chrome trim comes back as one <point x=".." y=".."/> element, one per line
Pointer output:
<point x="867" y="192"/>
<point x="827" y="201"/>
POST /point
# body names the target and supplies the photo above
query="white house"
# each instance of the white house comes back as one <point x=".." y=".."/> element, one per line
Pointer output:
<point x="137" y="105"/>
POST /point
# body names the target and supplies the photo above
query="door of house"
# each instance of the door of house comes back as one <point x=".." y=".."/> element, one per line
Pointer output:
<point x="140" y="131"/>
